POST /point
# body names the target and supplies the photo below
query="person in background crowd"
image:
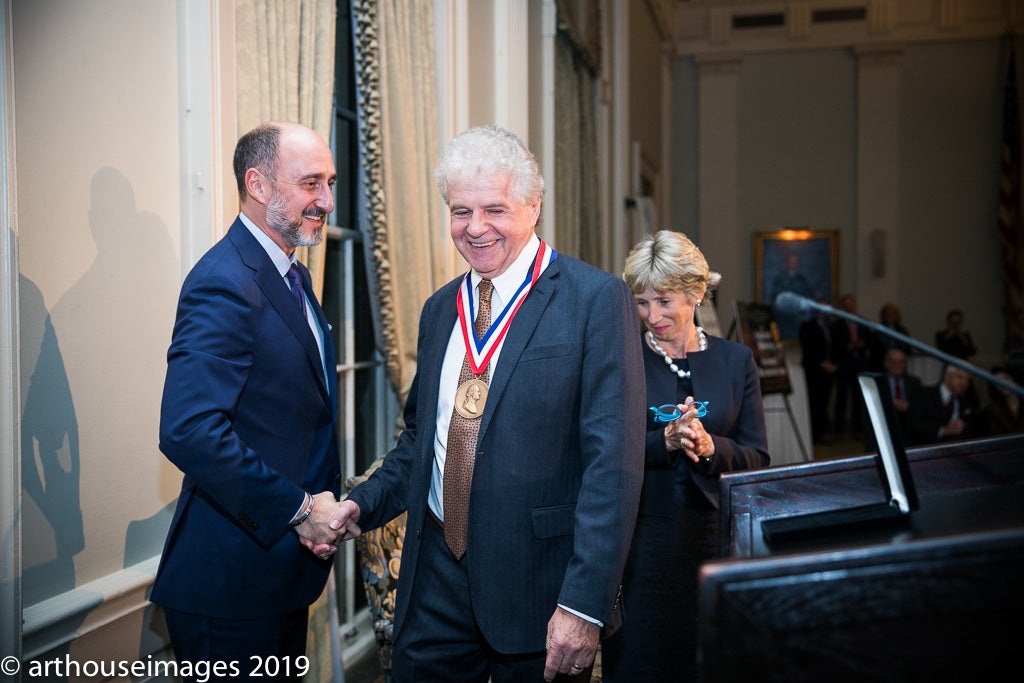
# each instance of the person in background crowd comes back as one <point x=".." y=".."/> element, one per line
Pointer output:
<point x="819" y="371"/>
<point x="891" y="318"/>
<point x="677" y="528"/>
<point x="1003" y="414"/>
<point x="850" y="343"/>
<point x="903" y="387"/>
<point x="954" y="339"/>
<point x="520" y="514"/>
<point x="944" y="412"/>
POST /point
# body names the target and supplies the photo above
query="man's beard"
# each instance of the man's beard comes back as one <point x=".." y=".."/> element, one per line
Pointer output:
<point x="291" y="231"/>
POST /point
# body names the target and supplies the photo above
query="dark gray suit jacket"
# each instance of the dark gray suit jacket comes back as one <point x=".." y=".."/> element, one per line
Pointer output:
<point x="559" y="463"/>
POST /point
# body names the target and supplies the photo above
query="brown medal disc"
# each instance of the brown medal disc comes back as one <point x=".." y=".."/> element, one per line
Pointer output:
<point x="470" y="399"/>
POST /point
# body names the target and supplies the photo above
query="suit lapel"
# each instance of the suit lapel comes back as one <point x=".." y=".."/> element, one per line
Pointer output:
<point x="276" y="291"/>
<point x="519" y="333"/>
<point x="329" y="360"/>
<point x="430" y="358"/>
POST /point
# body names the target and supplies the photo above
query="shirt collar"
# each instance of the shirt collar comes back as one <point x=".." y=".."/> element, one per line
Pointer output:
<point x="280" y="259"/>
<point x="507" y="284"/>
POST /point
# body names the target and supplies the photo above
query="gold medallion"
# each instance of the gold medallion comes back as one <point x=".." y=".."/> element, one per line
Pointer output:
<point x="470" y="399"/>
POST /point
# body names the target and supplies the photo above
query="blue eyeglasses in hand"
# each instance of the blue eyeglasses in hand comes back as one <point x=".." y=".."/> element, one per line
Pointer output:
<point x="670" y="412"/>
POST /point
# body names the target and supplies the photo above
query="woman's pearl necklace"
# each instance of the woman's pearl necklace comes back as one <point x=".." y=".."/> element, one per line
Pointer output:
<point x="702" y="343"/>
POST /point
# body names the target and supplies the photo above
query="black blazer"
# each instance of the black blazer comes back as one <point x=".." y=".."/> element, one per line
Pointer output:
<point x="725" y="375"/>
<point x="927" y="414"/>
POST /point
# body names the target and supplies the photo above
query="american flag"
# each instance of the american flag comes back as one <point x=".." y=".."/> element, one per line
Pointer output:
<point x="1011" y="226"/>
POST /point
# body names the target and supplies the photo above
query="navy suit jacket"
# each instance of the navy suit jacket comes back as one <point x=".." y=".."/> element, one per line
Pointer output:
<point x="248" y="417"/>
<point x="559" y="460"/>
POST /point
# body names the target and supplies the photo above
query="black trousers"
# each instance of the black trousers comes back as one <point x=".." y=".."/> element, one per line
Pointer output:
<point x="217" y="649"/>
<point x="440" y="641"/>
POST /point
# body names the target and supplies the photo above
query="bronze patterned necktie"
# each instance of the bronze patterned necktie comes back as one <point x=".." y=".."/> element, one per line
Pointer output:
<point x="461" y="451"/>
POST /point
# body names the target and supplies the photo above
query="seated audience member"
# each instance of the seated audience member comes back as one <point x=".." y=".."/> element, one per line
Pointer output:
<point x="1014" y="365"/>
<point x="1003" y="414"/>
<point x="819" y="371"/>
<point x="902" y="387"/>
<point x="954" y="339"/>
<point x="889" y="317"/>
<point x="944" y="412"/>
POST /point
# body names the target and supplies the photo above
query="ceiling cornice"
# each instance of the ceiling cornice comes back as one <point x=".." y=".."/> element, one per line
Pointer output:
<point x="703" y="27"/>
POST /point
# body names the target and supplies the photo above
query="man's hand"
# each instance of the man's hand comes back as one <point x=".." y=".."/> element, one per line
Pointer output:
<point x="572" y="644"/>
<point x="343" y="520"/>
<point x="317" y="532"/>
<point x="954" y="428"/>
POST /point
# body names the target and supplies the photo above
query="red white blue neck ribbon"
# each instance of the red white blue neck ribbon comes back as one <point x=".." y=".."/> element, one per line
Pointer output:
<point x="481" y="350"/>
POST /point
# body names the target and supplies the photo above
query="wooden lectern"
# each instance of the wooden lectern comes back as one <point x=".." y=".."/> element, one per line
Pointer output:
<point x="938" y="597"/>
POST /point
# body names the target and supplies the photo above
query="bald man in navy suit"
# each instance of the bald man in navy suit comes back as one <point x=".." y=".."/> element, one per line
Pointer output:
<point x="248" y="415"/>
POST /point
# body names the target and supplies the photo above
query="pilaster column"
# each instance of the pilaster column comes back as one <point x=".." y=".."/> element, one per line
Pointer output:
<point x="718" y="194"/>
<point x="511" y="67"/>
<point x="876" y="263"/>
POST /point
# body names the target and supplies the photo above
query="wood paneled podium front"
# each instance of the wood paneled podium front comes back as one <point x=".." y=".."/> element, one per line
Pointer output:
<point x="939" y="597"/>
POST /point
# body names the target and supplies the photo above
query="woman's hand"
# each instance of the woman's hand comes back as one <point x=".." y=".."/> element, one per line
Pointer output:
<point x="687" y="434"/>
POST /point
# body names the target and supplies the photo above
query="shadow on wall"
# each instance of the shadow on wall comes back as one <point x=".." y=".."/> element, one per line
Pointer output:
<point x="91" y="364"/>
<point x="142" y="541"/>
<point x="51" y="513"/>
<point x="50" y="458"/>
<point x="145" y="537"/>
<point x="125" y="301"/>
<point x="103" y="343"/>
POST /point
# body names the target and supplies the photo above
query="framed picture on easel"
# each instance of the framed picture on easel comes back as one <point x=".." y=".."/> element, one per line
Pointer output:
<point x="798" y="260"/>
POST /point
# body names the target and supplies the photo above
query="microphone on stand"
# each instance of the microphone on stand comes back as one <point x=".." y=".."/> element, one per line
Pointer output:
<point x="794" y="304"/>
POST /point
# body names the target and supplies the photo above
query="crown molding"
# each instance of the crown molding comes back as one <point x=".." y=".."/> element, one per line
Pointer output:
<point x="704" y="27"/>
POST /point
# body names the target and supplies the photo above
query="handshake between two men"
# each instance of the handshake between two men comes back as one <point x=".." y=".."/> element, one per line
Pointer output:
<point x="329" y="522"/>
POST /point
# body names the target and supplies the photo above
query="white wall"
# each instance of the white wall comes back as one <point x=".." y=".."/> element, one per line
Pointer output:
<point x="952" y="118"/>
<point x="645" y="96"/>
<point x="97" y="92"/>
<point x="797" y="137"/>
<point x="797" y="151"/>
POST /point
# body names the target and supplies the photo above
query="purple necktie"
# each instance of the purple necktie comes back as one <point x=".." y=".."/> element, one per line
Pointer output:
<point x="295" y="281"/>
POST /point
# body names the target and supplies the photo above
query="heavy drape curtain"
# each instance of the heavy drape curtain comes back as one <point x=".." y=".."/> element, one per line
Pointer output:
<point x="284" y="70"/>
<point x="284" y="53"/>
<point x="577" y="62"/>
<point x="401" y="218"/>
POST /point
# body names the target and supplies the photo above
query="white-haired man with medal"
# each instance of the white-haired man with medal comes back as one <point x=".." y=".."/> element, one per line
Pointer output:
<point x="522" y="458"/>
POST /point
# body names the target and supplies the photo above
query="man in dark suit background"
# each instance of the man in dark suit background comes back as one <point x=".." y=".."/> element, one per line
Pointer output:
<point x="850" y="342"/>
<point x="248" y="415"/>
<point x="903" y="388"/>
<point x="945" y="412"/>
<point x="819" y="371"/>
<point x="557" y="457"/>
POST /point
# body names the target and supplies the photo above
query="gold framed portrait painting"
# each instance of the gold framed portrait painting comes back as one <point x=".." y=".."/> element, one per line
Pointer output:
<point x="799" y="260"/>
